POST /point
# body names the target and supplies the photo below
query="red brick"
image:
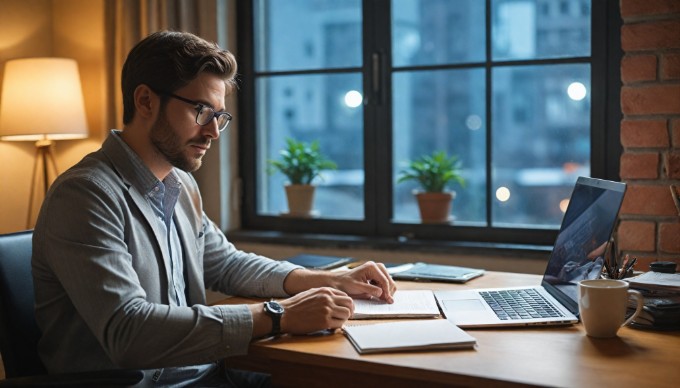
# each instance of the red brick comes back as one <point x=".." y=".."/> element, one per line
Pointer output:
<point x="647" y="100"/>
<point x="648" y="200"/>
<point x="672" y="165"/>
<point x="670" y="65"/>
<point x="661" y="34"/>
<point x="639" y="165"/>
<point x="637" y="236"/>
<point x="669" y="237"/>
<point x="675" y="130"/>
<point x="635" y="68"/>
<point x="675" y="196"/>
<point x="644" y="133"/>
<point x="648" y="7"/>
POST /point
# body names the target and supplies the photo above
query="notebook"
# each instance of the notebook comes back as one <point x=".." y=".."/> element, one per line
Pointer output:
<point x="407" y="304"/>
<point x="409" y="335"/>
<point x="586" y="227"/>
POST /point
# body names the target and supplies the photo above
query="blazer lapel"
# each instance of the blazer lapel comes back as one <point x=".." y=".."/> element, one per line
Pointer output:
<point x="190" y="229"/>
<point x="150" y="217"/>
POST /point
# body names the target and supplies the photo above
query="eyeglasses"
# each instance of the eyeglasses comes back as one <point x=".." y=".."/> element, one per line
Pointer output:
<point x="204" y="113"/>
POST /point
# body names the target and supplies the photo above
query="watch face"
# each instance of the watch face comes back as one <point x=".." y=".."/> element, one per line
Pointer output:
<point x="274" y="307"/>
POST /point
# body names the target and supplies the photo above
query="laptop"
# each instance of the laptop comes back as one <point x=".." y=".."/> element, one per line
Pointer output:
<point x="577" y="255"/>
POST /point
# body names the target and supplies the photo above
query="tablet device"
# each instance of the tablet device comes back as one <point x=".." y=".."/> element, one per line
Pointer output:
<point x="437" y="272"/>
<point x="319" y="261"/>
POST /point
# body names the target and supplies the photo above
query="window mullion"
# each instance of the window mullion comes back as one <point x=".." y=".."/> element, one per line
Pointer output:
<point x="377" y="41"/>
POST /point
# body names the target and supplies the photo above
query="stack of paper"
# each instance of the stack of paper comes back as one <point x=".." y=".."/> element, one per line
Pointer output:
<point x="408" y="335"/>
<point x="656" y="282"/>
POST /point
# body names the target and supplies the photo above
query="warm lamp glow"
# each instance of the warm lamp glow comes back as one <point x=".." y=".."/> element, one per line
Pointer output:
<point x="42" y="100"/>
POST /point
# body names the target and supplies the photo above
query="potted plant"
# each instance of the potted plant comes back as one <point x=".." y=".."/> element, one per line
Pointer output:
<point x="434" y="173"/>
<point x="300" y="162"/>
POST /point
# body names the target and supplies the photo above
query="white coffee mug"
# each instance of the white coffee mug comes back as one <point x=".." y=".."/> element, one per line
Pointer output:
<point x="602" y="304"/>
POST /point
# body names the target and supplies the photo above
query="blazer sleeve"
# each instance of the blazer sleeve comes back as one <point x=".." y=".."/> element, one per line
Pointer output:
<point x="93" y="295"/>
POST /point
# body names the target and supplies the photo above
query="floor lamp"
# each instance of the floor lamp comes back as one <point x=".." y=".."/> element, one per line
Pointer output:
<point x="42" y="101"/>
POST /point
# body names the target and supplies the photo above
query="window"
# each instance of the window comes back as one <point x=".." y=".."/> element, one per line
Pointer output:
<point x="514" y="88"/>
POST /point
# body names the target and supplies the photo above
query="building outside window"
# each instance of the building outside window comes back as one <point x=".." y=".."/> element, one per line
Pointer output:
<point x="514" y="88"/>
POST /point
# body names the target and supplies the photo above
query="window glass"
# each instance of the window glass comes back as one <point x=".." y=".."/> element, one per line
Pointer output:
<point x="313" y="107"/>
<point x="541" y="141"/>
<point x="504" y="85"/>
<point x="424" y="34"/>
<point x="533" y="29"/>
<point x="307" y="34"/>
<point x="441" y="110"/>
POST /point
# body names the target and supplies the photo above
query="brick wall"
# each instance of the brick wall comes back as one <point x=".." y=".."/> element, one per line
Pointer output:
<point x="650" y="130"/>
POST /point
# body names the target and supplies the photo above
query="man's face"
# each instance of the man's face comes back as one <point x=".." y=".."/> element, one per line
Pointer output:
<point x="175" y="133"/>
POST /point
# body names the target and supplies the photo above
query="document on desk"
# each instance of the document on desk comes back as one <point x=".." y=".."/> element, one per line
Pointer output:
<point x="656" y="281"/>
<point x="430" y="334"/>
<point x="407" y="304"/>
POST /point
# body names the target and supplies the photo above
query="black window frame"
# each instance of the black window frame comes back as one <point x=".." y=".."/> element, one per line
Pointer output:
<point x="605" y="121"/>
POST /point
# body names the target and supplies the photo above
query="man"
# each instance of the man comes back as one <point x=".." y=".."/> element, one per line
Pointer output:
<point x="123" y="253"/>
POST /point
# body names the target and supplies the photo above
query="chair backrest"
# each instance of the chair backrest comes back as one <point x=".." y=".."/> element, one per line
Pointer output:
<point x="19" y="332"/>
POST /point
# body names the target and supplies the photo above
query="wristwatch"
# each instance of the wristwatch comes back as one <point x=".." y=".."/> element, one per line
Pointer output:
<point x="275" y="311"/>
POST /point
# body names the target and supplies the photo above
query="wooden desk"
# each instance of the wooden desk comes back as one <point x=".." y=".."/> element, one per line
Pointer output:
<point x="540" y="356"/>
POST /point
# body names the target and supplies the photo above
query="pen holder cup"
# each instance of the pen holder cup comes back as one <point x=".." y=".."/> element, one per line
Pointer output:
<point x="602" y="306"/>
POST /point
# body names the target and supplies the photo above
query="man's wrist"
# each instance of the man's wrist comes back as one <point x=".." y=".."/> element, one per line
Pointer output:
<point x="303" y="279"/>
<point x="275" y="311"/>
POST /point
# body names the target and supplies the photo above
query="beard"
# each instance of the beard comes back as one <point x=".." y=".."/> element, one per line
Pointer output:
<point x="169" y="144"/>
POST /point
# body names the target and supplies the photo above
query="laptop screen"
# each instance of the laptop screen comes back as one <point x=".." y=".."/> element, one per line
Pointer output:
<point x="578" y="253"/>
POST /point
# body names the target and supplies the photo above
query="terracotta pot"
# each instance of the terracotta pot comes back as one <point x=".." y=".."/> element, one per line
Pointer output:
<point x="300" y="200"/>
<point x="435" y="208"/>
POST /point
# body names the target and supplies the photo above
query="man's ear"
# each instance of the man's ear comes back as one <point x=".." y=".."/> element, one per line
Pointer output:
<point x="146" y="102"/>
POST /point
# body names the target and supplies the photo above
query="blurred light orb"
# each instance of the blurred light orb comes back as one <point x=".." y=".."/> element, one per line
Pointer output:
<point x="473" y="122"/>
<point x="503" y="194"/>
<point x="577" y="91"/>
<point x="353" y="99"/>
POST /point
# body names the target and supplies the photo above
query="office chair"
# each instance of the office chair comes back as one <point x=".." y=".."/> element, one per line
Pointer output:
<point x="19" y="332"/>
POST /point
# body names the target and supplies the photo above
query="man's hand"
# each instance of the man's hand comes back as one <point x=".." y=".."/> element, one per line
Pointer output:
<point x="316" y="309"/>
<point x="368" y="280"/>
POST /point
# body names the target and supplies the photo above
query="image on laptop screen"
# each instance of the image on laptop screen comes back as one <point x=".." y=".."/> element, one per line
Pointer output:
<point x="587" y="225"/>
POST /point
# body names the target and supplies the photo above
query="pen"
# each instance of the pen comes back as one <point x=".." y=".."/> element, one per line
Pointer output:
<point x="613" y="266"/>
<point x="622" y="270"/>
<point x="629" y="266"/>
<point x="607" y="259"/>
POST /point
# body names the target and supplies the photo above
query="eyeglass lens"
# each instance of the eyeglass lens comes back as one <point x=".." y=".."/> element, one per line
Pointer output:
<point x="206" y="114"/>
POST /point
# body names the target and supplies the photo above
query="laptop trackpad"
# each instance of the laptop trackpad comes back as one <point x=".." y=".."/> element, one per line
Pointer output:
<point x="464" y="305"/>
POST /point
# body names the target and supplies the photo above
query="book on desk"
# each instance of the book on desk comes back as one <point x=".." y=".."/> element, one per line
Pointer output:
<point x="661" y="295"/>
<point x="408" y="336"/>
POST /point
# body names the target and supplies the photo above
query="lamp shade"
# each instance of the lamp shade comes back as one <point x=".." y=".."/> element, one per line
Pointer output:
<point x="42" y="99"/>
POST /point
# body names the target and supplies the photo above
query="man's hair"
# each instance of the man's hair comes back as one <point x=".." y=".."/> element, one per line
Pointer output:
<point x="168" y="60"/>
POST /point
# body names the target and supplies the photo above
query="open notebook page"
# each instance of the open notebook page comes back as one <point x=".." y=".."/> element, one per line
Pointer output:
<point x="407" y="304"/>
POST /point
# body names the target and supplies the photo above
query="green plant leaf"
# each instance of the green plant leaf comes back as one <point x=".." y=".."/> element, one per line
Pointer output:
<point x="433" y="172"/>
<point x="300" y="162"/>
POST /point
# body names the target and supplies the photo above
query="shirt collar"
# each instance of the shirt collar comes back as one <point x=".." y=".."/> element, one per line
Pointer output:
<point x="132" y="168"/>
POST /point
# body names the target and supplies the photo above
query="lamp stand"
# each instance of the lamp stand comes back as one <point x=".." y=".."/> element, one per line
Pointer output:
<point x="44" y="159"/>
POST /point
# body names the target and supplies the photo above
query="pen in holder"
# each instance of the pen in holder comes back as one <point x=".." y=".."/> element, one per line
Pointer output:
<point x="612" y="269"/>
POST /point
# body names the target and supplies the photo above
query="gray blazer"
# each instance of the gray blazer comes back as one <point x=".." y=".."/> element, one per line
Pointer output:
<point x="101" y="270"/>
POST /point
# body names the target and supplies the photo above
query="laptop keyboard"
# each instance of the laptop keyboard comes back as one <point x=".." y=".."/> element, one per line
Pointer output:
<point x="519" y="304"/>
